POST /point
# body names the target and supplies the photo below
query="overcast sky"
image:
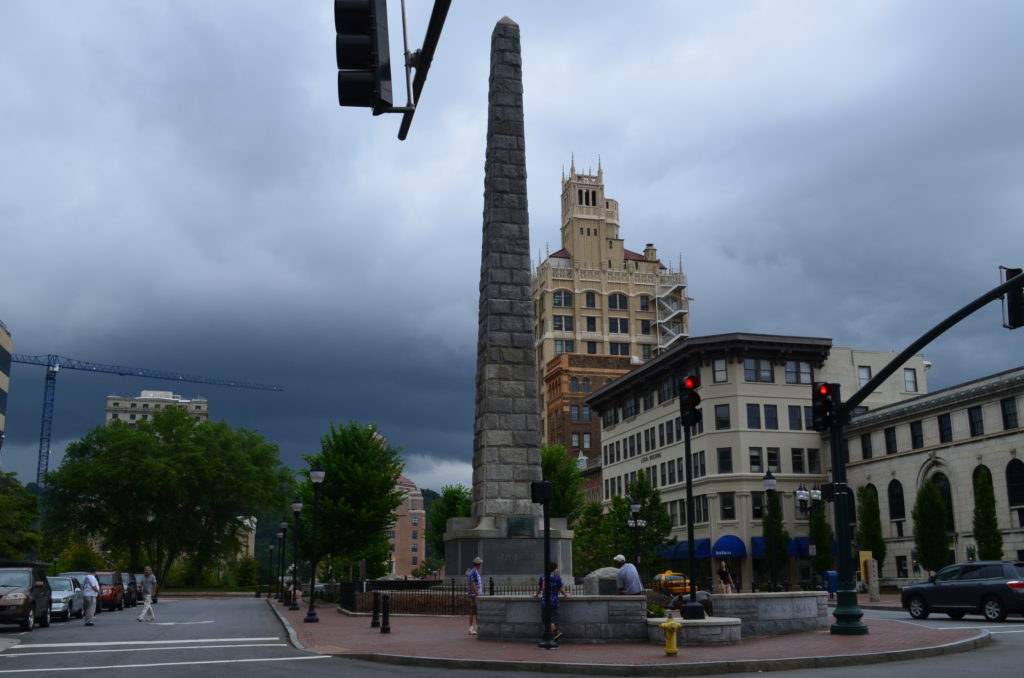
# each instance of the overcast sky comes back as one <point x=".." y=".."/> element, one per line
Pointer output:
<point x="181" y="191"/>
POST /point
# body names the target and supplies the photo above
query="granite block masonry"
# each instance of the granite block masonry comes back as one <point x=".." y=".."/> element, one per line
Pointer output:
<point x="505" y="525"/>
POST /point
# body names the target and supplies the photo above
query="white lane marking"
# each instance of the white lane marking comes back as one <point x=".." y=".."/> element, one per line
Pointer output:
<point x="147" y="666"/>
<point x="143" y="642"/>
<point x="144" y="649"/>
<point x="180" y="623"/>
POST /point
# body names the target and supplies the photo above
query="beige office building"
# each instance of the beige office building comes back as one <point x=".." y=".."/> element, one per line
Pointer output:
<point x="133" y="409"/>
<point x="407" y="534"/>
<point x="596" y="297"/>
<point x="756" y="405"/>
<point x="947" y="436"/>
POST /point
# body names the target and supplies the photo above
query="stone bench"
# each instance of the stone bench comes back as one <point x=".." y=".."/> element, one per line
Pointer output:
<point x="771" y="614"/>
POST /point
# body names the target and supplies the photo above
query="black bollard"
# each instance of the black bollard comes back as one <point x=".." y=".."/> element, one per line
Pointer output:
<point x="385" y="623"/>
<point x="375" y="619"/>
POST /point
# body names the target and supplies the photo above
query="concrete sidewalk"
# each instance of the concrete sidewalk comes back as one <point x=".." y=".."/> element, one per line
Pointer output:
<point x="444" y="642"/>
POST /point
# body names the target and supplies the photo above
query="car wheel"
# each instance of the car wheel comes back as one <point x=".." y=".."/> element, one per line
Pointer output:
<point x="918" y="608"/>
<point x="955" y="615"/>
<point x="44" y="621"/>
<point x="81" y="612"/>
<point x="29" y="621"/>
<point x="993" y="609"/>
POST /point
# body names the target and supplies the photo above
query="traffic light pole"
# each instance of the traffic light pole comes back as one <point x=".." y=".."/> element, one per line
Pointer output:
<point x="847" y="613"/>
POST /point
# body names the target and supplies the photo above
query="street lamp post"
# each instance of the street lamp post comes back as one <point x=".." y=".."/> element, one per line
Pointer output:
<point x="769" y="490"/>
<point x="638" y="525"/>
<point x="270" y="570"/>
<point x="316" y="476"/>
<point x="284" y="550"/>
<point x="277" y="567"/>
<point x="296" y="510"/>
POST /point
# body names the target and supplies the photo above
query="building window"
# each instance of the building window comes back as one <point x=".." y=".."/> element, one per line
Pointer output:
<point x="1008" y="406"/>
<point x="753" y="416"/>
<point x="699" y="468"/>
<point x="562" y="299"/>
<point x="901" y="567"/>
<point x="916" y="435"/>
<point x="897" y="511"/>
<point x="592" y="347"/>
<point x="114" y="415"/>
<point x="645" y="351"/>
<point x="645" y="327"/>
<point x="618" y="348"/>
<point x="755" y="460"/>
<point x="890" y="440"/>
<point x="574" y="413"/>
<point x="415" y="548"/>
<point x="771" y="417"/>
<point x="629" y="407"/>
<point x="758" y="369"/>
<point x="813" y="461"/>
<point x="586" y="408"/>
<point x="1015" y="484"/>
<point x="618" y="301"/>
<point x="618" y="325"/>
<point x="773" y="459"/>
<point x="865" y="446"/>
<point x="591" y="322"/>
<point x="575" y="441"/>
<point x="648" y="400"/>
<point x="757" y="505"/>
<point x="564" y="346"/>
<point x="645" y="302"/>
<point x="720" y="371"/>
<point x="725" y="460"/>
<point x="722" y="417"/>
<point x="945" y="428"/>
<point x="415" y="522"/>
<point x="798" y="372"/>
<point x="727" y="503"/>
<point x="591" y="299"/>
<point x="797" y="457"/>
<point x="975" y="420"/>
<point x="574" y="385"/>
<point x="910" y="379"/>
<point x="415" y="534"/>
<point x="863" y="375"/>
<point x="795" y="422"/>
<point x="563" y="323"/>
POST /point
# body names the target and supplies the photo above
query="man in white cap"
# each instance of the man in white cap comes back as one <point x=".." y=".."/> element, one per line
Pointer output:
<point x="475" y="588"/>
<point x="628" y="579"/>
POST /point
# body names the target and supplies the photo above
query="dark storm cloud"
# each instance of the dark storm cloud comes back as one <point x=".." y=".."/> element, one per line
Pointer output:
<point x="181" y="191"/>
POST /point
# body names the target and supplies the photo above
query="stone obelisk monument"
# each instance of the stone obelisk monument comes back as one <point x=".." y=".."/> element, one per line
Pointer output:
<point x="505" y="529"/>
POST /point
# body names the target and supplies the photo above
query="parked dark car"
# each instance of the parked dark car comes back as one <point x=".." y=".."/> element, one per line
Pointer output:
<point x="991" y="588"/>
<point x="24" y="594"/>
<point x="111" y="590"/>
<point x="132" y="594"/>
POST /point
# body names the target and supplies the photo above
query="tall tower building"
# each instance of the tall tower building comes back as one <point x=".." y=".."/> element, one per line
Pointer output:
<point x="595" y="298"/>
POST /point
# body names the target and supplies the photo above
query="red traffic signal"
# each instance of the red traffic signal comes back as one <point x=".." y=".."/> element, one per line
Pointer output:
<point x="823" y="405"/>
<point x="689" y="399"/>
<point x="691" y="382"/>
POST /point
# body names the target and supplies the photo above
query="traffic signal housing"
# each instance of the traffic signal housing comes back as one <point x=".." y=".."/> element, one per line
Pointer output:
<point x="1014" y="301"/>
<point x="823" y="404"/>
<point x="364" y="57"/>
<point x="689" y="399"/>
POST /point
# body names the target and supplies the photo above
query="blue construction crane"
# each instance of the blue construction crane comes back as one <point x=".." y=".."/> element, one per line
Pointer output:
<point x="54" y="364"/>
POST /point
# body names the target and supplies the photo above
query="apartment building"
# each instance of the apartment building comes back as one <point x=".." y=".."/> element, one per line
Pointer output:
<point x="756" y="405"/>
<point x="407" y="533"/>
<point x="133" y="409"/>
<point x="947" y="436"/>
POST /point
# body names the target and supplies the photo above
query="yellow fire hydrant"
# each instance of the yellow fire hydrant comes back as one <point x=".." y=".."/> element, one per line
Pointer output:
<point x="670" y="626"/>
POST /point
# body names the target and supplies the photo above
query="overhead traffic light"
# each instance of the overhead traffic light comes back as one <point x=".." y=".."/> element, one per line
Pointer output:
<point x="823" y="404"/>
<point x="364" y="57"/>
<point x="1014" y="300"/>
<point x="689" y="399"/>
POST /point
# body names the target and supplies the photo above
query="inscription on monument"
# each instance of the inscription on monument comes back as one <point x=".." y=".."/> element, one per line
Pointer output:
<point x="519" y="526"/>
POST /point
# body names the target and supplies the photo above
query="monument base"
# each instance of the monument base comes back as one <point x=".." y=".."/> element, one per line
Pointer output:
<point x="512" y="548"/>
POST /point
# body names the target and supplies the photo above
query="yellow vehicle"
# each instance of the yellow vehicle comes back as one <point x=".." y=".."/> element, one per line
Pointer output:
<point x="671" y="582"/>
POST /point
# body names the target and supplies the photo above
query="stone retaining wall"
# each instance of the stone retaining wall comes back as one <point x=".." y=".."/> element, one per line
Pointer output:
<point x="583" y="619"/>
<point x="771" y="614"/>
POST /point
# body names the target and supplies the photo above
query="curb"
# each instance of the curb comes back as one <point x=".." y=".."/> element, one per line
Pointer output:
<point x="697" y="669"/>
<point x="292" y="638"/>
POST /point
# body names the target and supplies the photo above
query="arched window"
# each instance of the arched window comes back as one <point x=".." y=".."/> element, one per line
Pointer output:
<point x="1015" y="482"/>
<point x="618" y="301"/>
<point x="574" y="385"/>
<point x="974" y="478"/>
<point x="851" y="505"/>
<point x="897" y="509"/>
<point x="942" y="482"/>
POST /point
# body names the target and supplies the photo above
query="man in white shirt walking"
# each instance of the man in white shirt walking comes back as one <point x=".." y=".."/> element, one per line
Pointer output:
<point x="90" y="593"/>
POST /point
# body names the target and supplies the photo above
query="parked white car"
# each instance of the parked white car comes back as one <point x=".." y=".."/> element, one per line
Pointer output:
<point x="66" y="593"/>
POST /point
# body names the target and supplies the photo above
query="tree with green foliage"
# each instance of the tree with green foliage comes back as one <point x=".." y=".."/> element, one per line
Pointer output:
<point x="986" y="522"/>
<point x="168" y="487"/>
<point x="560" y="469"/>
<point x="776" y="538"/>
<point x="654" y="534"/>
<point x="455" y="501"/>
<point x="821" y="537"/>
<point x="429" y="568"/>
<point x="591" y="544"/>
<point x="930" y="538"/>
<point x="358" y="497"/>
<point x="19" y="511"/>
<point x="869" y="524"/>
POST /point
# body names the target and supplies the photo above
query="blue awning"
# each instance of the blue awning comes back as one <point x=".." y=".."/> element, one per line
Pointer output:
<point x="729" y="546"/>
<point x="798" y="547"/>
<point x="681" y="550"/>
<point x="757" y="547"/>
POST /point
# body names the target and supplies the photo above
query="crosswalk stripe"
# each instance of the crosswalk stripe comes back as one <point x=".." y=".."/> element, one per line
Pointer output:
<point x="148" y="666"/>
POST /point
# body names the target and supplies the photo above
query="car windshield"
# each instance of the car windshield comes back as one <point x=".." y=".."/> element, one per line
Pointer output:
<point x="105" y="579"/>
<point x="60" y="584"/>
<point x="14" y="579"/>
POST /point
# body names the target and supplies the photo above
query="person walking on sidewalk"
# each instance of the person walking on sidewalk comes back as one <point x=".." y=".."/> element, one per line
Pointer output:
<point x="550" y="599"/>
<point x="475" y="588"/>
<point x="90" y="594"/>
<point x="148" y="592"/>
<point x="628" y="579"/>
<point x="725" y="578"/>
